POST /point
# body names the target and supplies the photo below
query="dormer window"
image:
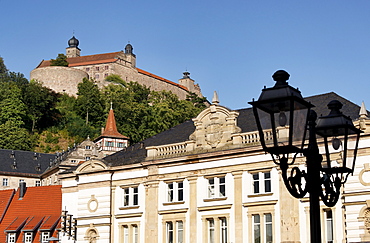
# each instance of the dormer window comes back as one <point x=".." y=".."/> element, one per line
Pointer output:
<point x="28" y="237"/>
<point x="11" y="237"/>
<point x="45" y="235"/>
<point x="88" y="147"/>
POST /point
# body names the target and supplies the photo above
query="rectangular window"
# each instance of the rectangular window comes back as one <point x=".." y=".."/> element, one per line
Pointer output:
<point x="97" y="68"/>
<point x="106" y="67"/>
<point x="130" y="196"/>
<point x="256" y="183"/>
<point x="5" y="182"/>
<point x="256" y="228"/>
<point x="268" y="227"/>
<point x="211" y="231"/>
<point x="329" y="226"/>
<point x="135" y="230"/>
<point x="223" y="230"/>
<point x="216" y="187"/>
<point x="267" y="177"/>
<point x="109" y="144"/>
<point x="125" y="234"/>
<point x="87" y="147"/>
<point x="28" y="237"/>
<point x="37" y="183"/>
<point x="87" y="69"/>
<point x="180" y="232"/>
<point x="45" y="236"/>
<point x="120" y="145"/>
<point x="105" y="75"/>
<point x="73" y="161"/>
<point x="87" y="158"/>
<point x="261" y="182"/>
<point x="169" y="227"/>
<point x="11" y="237"/>
<point x="175" y="191"/>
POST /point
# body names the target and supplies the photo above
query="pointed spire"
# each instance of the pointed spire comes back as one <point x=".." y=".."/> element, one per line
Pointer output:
<point x="111" y="127"/>
<point x="215" y="100"/>
<point x="363" y="111"/>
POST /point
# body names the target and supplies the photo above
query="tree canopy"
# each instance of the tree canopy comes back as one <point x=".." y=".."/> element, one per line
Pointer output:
<point x="61" y="60"/>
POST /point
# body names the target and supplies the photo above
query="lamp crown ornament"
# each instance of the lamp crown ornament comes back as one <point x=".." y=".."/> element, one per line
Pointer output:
<point x="281" y="77"/>
<point x="334" y="106"/>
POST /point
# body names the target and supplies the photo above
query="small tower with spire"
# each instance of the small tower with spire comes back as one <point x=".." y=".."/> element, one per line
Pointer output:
<point x="110" y="140"/>
<point x="363" y="120"/>
<point x="72" y="50"/>
<point x="190" y="84"/>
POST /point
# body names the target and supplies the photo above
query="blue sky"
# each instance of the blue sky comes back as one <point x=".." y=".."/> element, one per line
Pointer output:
<point x="232" y="46"/>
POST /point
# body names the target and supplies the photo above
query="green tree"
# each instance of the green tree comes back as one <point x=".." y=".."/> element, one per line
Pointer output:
<point x="40" y="102"/>
<point x="12" y="136"/>
<point x="89" y="103"/>
<point x="61" y="60"/>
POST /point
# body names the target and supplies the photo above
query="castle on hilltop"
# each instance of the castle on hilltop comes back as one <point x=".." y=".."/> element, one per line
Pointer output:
<point x="99" y="66"/>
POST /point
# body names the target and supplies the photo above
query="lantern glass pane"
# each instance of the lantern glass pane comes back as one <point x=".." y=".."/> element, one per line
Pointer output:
<point x="284" y="128"/>
<point x="337" y="156"/>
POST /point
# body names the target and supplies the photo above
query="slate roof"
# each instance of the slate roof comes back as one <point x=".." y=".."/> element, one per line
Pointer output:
<point x="27" y="163"/>
<point x="35" y="209"/>
<point x="180" y="133"/>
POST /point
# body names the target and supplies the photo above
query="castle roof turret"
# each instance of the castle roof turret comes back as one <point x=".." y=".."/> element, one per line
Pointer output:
<point x="73" y="42"/>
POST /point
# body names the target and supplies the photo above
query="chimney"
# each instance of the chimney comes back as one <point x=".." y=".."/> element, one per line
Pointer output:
<point x="22" y="189"/>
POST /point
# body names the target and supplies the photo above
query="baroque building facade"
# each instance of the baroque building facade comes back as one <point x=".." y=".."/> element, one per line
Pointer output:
<point x="208" y="180"/>
<point x="98" y="67"/>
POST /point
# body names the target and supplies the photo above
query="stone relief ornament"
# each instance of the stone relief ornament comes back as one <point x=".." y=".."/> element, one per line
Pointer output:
<point x="214" y="133"/>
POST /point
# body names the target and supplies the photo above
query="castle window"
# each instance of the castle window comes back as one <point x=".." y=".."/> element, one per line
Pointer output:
<point x="97" y="68"/>
<point x="105" y="75"/>
<point x="87" y="69"/>
<point x="37" y="183"/>
<point x="88" y="147"/>
<point x="106" y="67"/>
<point x="5" y="182"/>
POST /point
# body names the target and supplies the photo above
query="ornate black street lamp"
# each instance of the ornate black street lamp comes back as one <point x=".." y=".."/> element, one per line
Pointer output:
<point x="283" y="118"/>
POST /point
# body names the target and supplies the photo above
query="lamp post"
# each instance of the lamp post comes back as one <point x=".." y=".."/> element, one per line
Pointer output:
<point x="287" y="128"/>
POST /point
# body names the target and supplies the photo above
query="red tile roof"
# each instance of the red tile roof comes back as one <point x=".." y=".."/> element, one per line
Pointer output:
<point x="38" y="206"/>
<point x="86" y="60"/>
<point x="5" y="199"/>
<point x="111" y="127"/>
<point x="160" y="78"/>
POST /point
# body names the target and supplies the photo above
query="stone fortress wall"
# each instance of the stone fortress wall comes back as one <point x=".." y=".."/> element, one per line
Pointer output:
<point x="98" y="67"/>
<point x="59" y="79"/>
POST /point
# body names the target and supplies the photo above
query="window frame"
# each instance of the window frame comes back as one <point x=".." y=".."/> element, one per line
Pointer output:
<point x="175" y="191"/>
<point x="5" y="182"/>
<point x="45" y="235"/>
<point x="216" y="187"/>
<point x="130" y="196"/>
<point x="261" y="182"/>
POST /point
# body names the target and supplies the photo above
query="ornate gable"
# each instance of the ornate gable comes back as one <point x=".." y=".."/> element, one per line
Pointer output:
<point x="215" y="126"/>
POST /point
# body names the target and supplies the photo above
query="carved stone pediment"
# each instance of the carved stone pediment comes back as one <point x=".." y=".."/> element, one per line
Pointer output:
<point x="91" y="165"/>
<point x="214" y="127"/>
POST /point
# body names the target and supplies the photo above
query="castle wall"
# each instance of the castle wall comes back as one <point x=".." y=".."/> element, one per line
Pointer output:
<point x="59" y="79"/>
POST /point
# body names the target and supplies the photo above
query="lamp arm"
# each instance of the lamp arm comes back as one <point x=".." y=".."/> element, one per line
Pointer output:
<point x="293" y="182"/>
<point x="330" y="189"/>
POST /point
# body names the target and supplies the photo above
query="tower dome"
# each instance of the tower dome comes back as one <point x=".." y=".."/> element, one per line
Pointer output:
<point x="73" y="42"/>
<point x="129" y="49"/>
